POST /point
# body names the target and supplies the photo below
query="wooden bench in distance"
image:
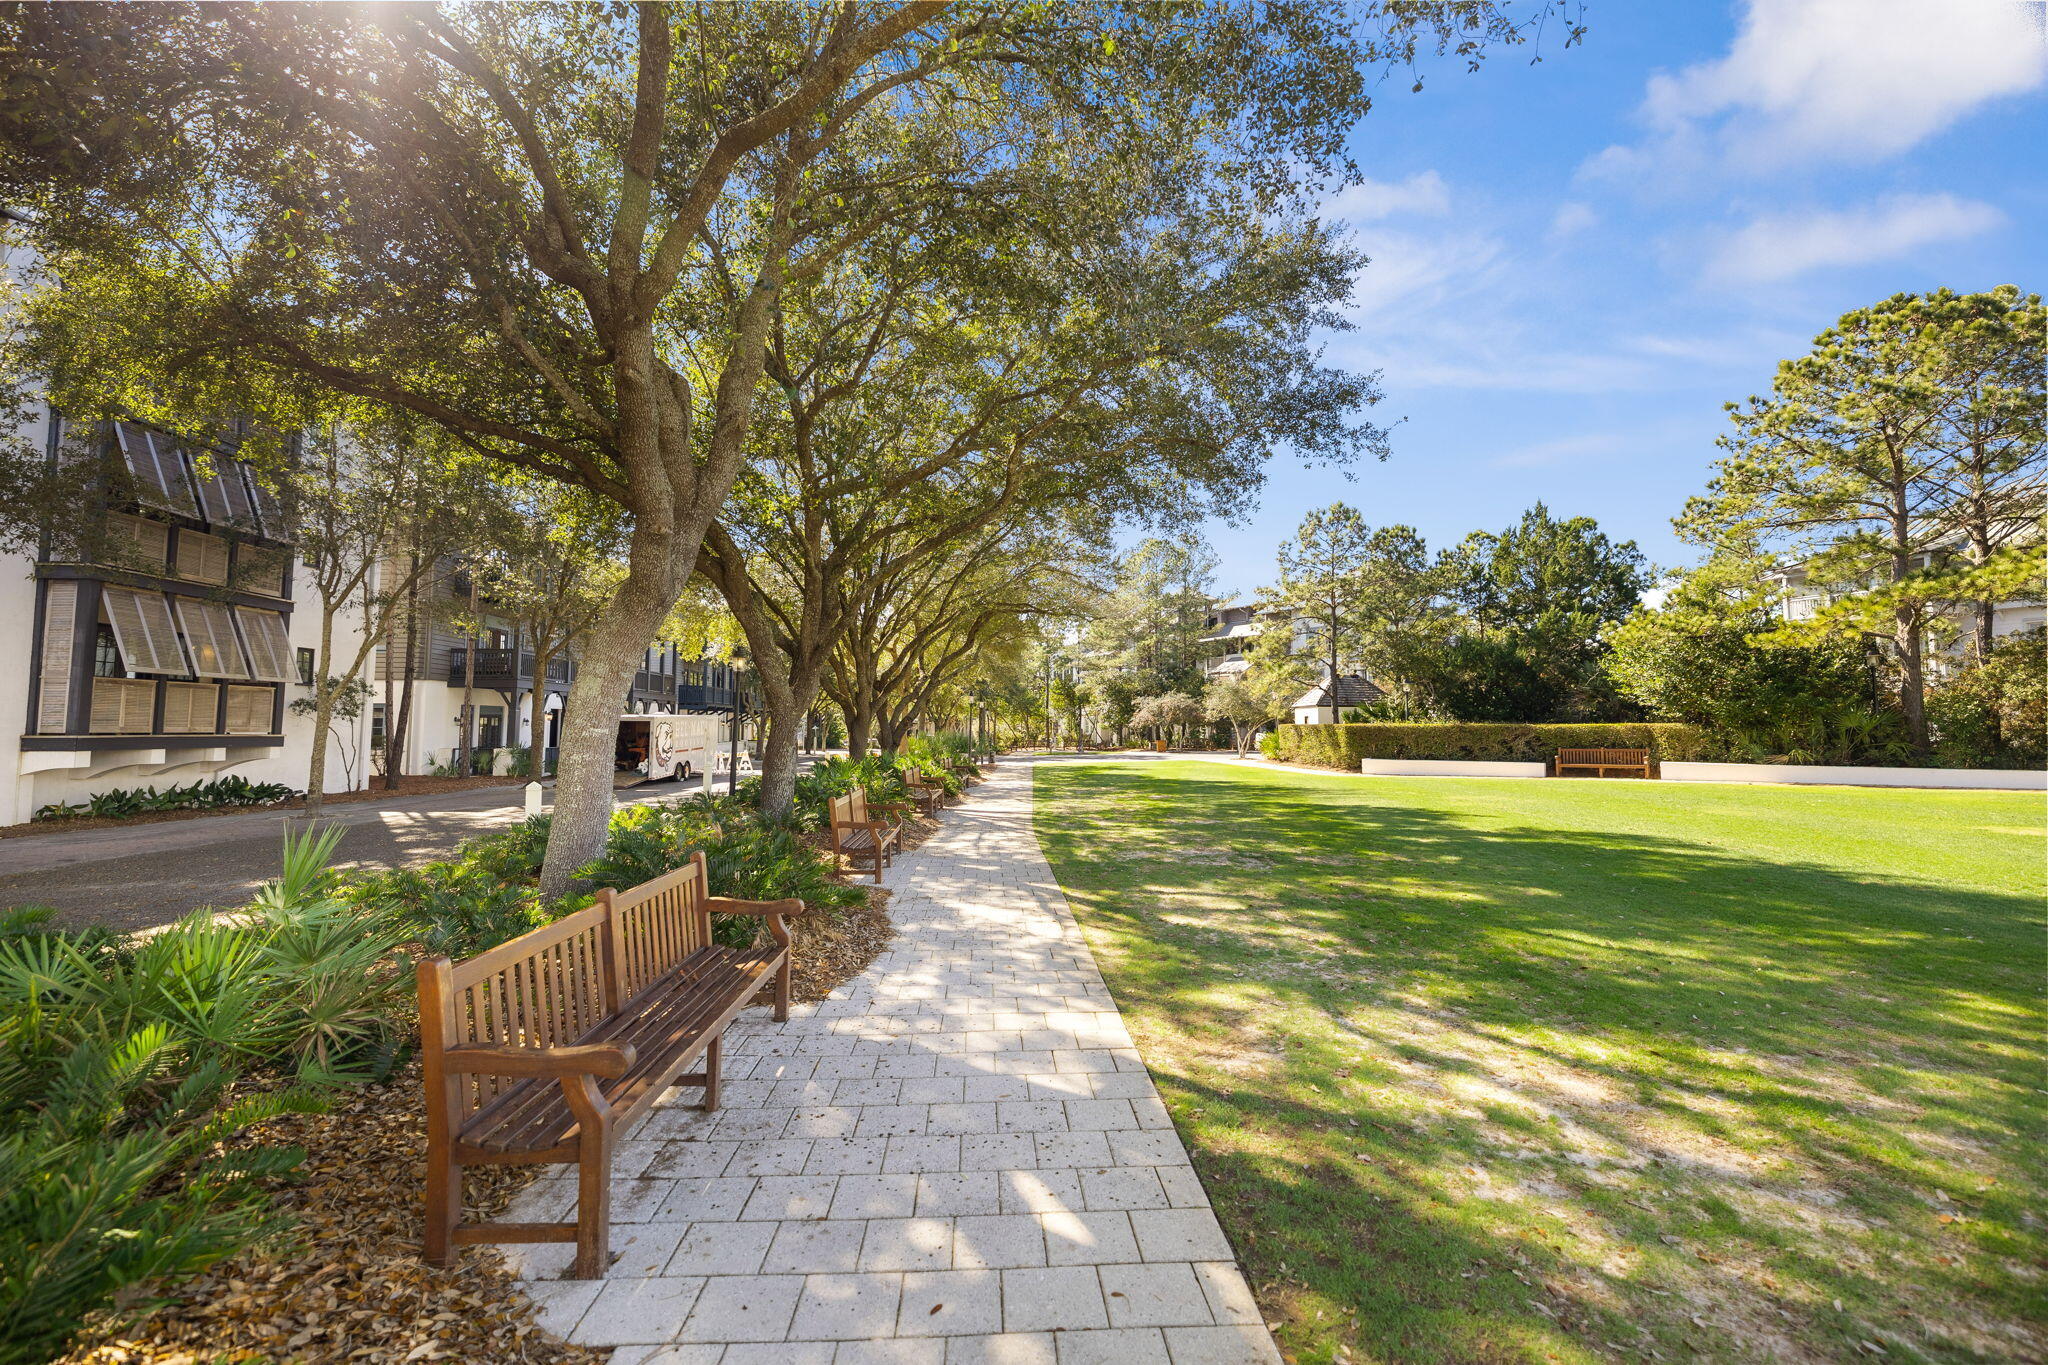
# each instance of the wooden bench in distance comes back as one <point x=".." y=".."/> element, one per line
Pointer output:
<point x="858" y="838"/>
<point x="927" y="796"/>
<point x="547" y="1048"/>
<point x="1601" y="762"/>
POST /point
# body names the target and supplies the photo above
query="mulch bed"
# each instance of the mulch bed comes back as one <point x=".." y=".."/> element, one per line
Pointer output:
<point x="407" y="786"/>
<point x="351" y="1285"/>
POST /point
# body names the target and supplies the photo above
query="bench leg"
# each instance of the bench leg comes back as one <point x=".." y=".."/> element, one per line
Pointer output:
<point x="713" y="1055"/>
<point x="444" y="1209"/>
<point x="593" y="1206"/>
<point x="782" y="975"/>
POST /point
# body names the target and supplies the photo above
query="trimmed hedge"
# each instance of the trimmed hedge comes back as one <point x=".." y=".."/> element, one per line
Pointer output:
<point x="1342" y="746"/>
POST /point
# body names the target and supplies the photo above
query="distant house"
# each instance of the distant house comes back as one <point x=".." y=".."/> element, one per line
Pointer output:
<point x="1800" y="599"/>
<point x="1325" y="702"/>
<point x="1228" y="632"/>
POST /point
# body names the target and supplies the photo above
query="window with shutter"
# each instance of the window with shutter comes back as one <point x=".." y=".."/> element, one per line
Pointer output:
<point x="158" y="468"/>
<point x="222" y="493"/>
<point x="270" y="653"/>
<point x="190" y="708"/>
<point x="138" y="542"/>
<point x="261" y="570"/>
<point x="210" y="635"/>
<point x="202" y="558"/>
<point x="249" y="710"/>
<point x="143" y="630"/>
<point x="267" y="506"/>
<point x="60" y="630"/>
<point x="122" y="706"/>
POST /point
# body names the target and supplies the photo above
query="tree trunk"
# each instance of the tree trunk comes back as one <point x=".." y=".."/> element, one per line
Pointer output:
<point x="323" y="717"/>
<point x="590" y="717"/>
<point x="1912" y="680"/>
<point x="787" y="705"/>
<point x="397" y="731"/>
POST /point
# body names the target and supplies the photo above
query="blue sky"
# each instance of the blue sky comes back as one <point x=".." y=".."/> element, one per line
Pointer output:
<point x="1575" y="264"/>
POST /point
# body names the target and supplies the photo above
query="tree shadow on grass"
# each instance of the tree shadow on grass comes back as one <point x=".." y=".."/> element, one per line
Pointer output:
<point x="1788" y="1057"/>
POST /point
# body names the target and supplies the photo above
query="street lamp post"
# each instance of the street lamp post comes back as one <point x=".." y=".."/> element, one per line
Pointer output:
<point x="732" y="762"/>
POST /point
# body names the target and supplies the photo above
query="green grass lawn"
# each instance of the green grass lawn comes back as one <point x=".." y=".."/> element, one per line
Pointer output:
<point x="1485" y="1070"/>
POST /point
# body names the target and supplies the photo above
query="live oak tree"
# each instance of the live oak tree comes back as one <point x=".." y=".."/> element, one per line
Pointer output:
<point x="920" y="627"/>
<point x="560" y="231"/>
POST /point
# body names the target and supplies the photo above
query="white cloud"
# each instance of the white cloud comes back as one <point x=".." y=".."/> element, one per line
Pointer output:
<point x="1571" y="219"/>
<point x="1371" y="200"/>
<point x="1854" y="80"/>
<point x="1565" y="450"/>
<point x="1418" y="272"/>
<point x="1779" y="246"/>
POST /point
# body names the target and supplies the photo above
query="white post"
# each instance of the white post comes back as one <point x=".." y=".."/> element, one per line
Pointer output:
<point x="533" y="798"/>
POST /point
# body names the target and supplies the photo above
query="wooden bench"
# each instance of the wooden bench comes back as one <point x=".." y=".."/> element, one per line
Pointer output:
<point x="547" y="1048"/>
<point x="969" y="771"/>
<point x="1601" y="762"/>
<point x="857" y="838"/>
<point x="927" y="796"/>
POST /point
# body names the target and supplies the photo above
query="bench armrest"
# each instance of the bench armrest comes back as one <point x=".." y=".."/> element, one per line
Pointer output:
<point x="610" y="1060"/>
<point x="728" y="905"/>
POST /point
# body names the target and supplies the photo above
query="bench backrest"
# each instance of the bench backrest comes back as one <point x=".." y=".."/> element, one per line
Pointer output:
<point x="850" y="809"/>
<point x="657" y="924"/>
<point x="1617" y="756"/>
<point x="549" y="987"/>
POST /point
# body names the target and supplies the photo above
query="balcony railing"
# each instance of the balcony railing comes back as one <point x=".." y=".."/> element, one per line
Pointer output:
<point x="712" y="687"/>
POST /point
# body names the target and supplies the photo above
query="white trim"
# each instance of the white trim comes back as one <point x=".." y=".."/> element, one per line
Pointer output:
<point x="1806" y="774"/>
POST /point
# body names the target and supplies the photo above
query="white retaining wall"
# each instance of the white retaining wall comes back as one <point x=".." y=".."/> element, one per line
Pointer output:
<point x="1445" y="767"/>
<point x="1804" y="774"/>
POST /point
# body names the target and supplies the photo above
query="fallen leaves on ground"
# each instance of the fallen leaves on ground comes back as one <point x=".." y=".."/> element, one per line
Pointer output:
<point x="349" y="1285"/>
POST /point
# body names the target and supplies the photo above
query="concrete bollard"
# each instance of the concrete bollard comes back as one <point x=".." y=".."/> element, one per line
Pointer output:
<point x="533" y="798"/>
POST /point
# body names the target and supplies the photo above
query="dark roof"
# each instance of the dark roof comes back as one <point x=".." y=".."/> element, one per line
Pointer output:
<point x="1353" y="689"/>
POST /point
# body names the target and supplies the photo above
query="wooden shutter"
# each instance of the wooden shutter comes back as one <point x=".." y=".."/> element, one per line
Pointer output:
<point x="223" y="494"/>
<point x="138" y="542"/>
<point x="60" y="633"/>
<point x="143" y="631"/>
<point x="249" y="710"/>
<point x="267" y="506"/>
<point x="122" y="706"/>
<point x="210" y="635"/>
<point x="262" y="571"/>
<point x="270" y="652"/>
<point x="158" y="468"/>
<point x="202" y="558"/>
<point x="190" y="708"/>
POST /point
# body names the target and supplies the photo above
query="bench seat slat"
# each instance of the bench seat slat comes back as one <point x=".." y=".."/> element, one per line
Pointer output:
<point x="665" y="1023"/>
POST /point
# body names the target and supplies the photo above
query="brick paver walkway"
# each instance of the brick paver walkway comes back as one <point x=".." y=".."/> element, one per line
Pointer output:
<point x="957" y="1158"/>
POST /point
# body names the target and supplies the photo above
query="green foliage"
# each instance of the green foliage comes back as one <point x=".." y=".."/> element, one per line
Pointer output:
<point x="219" y="794"/>
<point x="879" y="775"/>
<point x="1342" y="746"/>
<point x="123" y="1070"/>
<point x="1766" y="692"/>
<point x="1929" y="402"/>
<point x="1996" y="713"/>
<point x="462" y="905"/>
<point x="1532" y="603"/>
